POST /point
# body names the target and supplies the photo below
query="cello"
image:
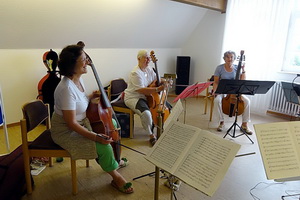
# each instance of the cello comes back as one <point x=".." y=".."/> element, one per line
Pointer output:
<point x="156" y="101"/>
<point x="49" y="82"/>
<point x="233" y="103"/>
<point x="101" y="115"/>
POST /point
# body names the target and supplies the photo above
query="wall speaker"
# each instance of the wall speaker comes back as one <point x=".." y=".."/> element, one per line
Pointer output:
<point x="183" y="73"/>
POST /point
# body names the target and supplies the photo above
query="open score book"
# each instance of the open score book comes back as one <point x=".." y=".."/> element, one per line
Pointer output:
<point x="279" y="145"/>
<point x="197" y="157"/>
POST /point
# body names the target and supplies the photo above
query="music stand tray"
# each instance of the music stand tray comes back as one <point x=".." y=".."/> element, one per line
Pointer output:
<point x="248" y="87"/>
<point x="239" y="87"/>
<point x="192" y="90"/>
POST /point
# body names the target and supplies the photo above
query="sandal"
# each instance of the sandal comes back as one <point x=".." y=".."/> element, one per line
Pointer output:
<point x="152" y="141"/>
<point x="124" y="164"/>
<point x="125" y="188"/>
<point x="221" y="127"/>
<point x="246" y="130"/>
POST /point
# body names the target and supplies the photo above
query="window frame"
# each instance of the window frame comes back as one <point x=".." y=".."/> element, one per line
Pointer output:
<point x="292" y="49"/>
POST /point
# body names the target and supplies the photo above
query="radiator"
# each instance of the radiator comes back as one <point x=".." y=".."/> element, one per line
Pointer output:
<point x="279" y="104"/>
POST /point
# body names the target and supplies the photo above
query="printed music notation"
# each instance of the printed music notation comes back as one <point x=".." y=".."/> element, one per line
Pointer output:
<point x="176" y="111"/>
<point x="279" y="145"/>
<point x="197" y="157"/>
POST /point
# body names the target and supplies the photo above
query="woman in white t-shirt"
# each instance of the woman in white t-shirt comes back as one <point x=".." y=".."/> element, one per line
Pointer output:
<point x="135" y="98"/>
<point x="70" y="128"/>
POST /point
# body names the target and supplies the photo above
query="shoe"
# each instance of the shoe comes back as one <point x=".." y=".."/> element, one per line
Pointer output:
<point x="221" y="127"/>
<point x="175" y="186"/>
<point x="247" y="130"/>
<point x="59" y="159"/>
<point x="152" y="141"/>
<point x="124" y="163"/>
<point x="125" y="188"/>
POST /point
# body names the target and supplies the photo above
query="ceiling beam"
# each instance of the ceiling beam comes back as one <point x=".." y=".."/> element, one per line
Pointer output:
<point x="218" y="5"/>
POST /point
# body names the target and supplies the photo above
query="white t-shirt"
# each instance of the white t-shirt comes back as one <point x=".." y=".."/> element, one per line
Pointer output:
<point x="68" y="97"/>
<point x="139" y="79"/>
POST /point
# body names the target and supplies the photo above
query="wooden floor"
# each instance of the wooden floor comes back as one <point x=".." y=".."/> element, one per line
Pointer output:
<point x="245" y="177"/>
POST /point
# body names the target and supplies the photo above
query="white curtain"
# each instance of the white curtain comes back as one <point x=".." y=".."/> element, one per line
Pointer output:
<point x="259" y="27"/>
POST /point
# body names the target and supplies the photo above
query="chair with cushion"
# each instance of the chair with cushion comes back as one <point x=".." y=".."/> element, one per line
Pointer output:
<point x="34" y="113"/>
<point x="115" y="94"/>
<point x="210" y="98"/>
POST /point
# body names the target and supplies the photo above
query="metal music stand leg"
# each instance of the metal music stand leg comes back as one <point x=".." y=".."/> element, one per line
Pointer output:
<point x="184" y="110"/>
<point x="172" y="180"/>
<point x="235" y="124"/>
<point x="157" y="170"/>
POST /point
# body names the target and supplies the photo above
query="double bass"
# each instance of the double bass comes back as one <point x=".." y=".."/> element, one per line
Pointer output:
<point x="101" y="115"/>
<point x="49" y="82"/>
<point x="157" y="101"/>
<point x="232" y="103"/>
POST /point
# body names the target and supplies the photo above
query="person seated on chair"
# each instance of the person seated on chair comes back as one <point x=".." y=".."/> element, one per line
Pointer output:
<point x="135" y="98"/>
<point x="228" y="71"/>
<point x="70" y="128"/>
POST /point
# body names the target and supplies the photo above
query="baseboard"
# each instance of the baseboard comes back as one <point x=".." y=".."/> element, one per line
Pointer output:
<point x="11" y="125"/>
<point x="284" y="116"/>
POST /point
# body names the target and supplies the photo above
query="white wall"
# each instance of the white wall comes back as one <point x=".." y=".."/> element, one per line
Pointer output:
<point x="205" y="46"/>
<point x="21" y="70"/>
<point x="33" y="24"/>
<point x="113" y="31"/>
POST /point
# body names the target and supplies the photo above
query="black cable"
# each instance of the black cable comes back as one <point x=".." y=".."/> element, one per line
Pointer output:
<point x="267" y="185"/>
<point x="294" y="196"/>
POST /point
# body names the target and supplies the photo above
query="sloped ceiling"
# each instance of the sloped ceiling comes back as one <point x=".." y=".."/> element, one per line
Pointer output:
<point x="33" y="24"/>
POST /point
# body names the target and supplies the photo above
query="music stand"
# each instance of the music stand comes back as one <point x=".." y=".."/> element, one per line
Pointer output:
<point x="240" y="87"/>
<point x="290" y="92"/>
<point x="191" y="91"/>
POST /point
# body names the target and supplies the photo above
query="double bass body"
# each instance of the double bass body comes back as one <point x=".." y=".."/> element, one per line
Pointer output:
<point x="157" y="106"/>
<point x="231" y="105"/>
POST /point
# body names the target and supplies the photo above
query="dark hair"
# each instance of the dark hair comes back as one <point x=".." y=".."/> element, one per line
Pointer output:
<point x="68" y="58"/>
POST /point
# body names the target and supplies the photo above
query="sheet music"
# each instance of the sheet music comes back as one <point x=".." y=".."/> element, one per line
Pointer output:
<point x="279" y="145"/>
<point x="175" y="113"/>
<point x="296" y="130"/>
<point x="171" y="146"/>
<point x="197" y="157"/>
<point x="207" y="162"/>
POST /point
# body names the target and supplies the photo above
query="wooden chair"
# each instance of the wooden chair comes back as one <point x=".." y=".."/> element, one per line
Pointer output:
<point x="210" y="98"/>
<point x="34" y="113"/>
<point x="115" y="91"/>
